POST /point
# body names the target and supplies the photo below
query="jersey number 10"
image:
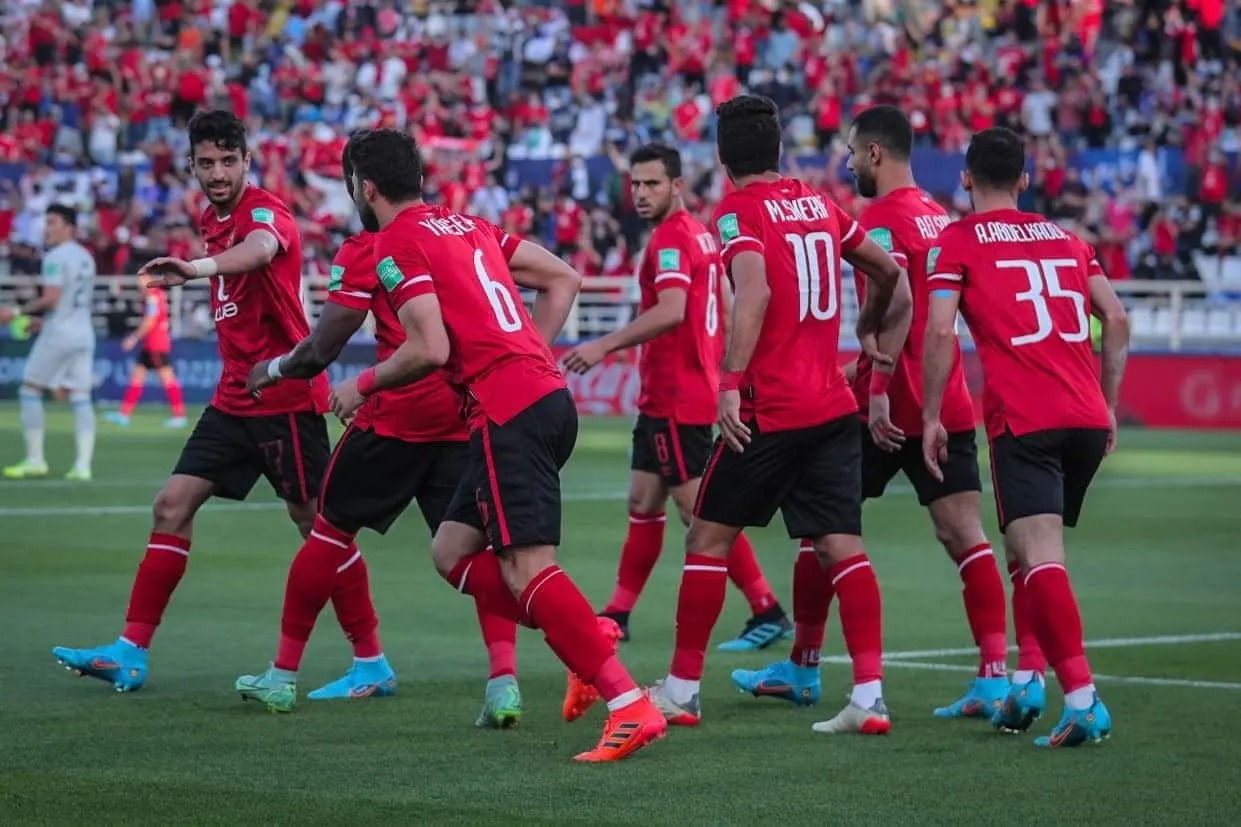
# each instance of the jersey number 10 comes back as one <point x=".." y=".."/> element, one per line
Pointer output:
<point x="815" y="256"/>
<point x="1044" y="278"/>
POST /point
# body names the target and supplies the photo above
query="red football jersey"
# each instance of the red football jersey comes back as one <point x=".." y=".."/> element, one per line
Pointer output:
<point x="906" y="222"/>
<point x="429" y="410"/>
<point x="1025" y="295"/>
<point x="497" y="354"/>
<point x="680" y="369"/>
<point x="794" y="375"/>
<point x="259" y="315"/>
<point x="158" y="338"/>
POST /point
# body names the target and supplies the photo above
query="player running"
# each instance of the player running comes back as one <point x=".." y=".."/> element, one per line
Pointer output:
<point x="1026" y="288"/>
<point x="788" y="422"/>
<point x="457" y="298"/>
<point x="254" y="258"/>
<point x="682" y="324"/>
<point x="156" y="355"/>
<point x="63" y="357"/>
<point x="403" y="444"/>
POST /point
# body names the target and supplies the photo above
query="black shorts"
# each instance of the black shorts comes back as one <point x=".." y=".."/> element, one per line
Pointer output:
<point x="812" y="475"/>
<point x="291" y="450"/>
<point x="677" y="453"/>
<point x="960" y="471"/>
<point x="371" y="479"/>
<point x="1045" y="472"/>
<point x="154" y="359"/>
<point x="511" y="488"/>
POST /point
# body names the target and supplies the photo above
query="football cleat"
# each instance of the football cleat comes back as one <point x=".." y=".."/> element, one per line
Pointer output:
<point x="1022" y="706"/>
<point x="1079" y="726"/>
<point x="26" y="470"/>
<point x="677" y="714"/>
<point x="580" y="696"/>
<point x="365" y="679"/>
<point x="121" y="664"/>
<point x="276" y="693"/>
<point x="759" y="633"/>
<point x="627" y="730"/>
<point x="799" y="685"/>
<point x="501" y="704"/>
<point x="873" y="721"/>
<point x="983" y="700"/>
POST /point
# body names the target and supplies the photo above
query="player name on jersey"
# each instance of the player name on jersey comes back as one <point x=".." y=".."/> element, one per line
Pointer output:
<point x="989" y="232"/>
<point x="449" y="225"/>
<point x="929" y="226"/>
<point x="810" y="208"/>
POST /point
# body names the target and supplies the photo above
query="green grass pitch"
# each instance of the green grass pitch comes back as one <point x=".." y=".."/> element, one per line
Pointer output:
<point x="1155" y="563"/>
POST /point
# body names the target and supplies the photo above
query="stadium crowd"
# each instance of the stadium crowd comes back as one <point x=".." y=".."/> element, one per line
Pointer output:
<point x="95" y="94"/>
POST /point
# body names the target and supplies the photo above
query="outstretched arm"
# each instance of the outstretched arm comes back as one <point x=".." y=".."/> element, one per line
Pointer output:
<point x="336" y="326"/>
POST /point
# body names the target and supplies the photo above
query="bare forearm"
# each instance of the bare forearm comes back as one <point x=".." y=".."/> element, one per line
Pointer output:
<point x="551" y="310"/>
<point x="654" y="322"/>
<point x="894" y="325"/>
<point x="144" y="327"/>
<point x="1115" y="354"/>
<point x="749" y="308"/>
<point x="936" y="367"/>
<point x="406" y="365"/>
<point x="310" y="358"/>
<point x="247" y="256"/>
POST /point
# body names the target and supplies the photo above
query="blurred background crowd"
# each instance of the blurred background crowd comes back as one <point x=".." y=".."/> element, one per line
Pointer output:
<point x="526" y="110"/>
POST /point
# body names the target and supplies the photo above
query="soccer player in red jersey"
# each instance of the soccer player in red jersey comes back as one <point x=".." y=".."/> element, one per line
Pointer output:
<point x="156" y="355"/>
<point x="788" y="422"/>
<point x="254" y="259"/>
<point x="906" y="222"/>
<point x="456" y="296"/>
<point x="1026" y="288"/>
<point x="681" y="328"/>
<point x="404" y="444"/>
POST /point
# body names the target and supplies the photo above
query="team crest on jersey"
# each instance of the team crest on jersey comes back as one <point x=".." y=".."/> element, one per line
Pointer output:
<point x="883" y="237"/>
<point x="390" y="276"/>
<point x="669" y="259"/>
<point x="262" y="215"/>
<point x="932" y="256"/>
<point x="728" y="227"/>
<point x="336" y="278"/>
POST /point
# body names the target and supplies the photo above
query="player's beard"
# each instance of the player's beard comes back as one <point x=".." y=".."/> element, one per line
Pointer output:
<point x="229" y="196"/>
<point x="370" y="221"/>
<point x="867" y="186"/>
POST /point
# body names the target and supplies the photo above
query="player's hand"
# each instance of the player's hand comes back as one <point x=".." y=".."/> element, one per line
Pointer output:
<point x="870" y="349"/>
<point x="346" y="399"/>
<point x="850" y="371"/>
<point x="879" y="419"/>
<point x="258" y="379"/>
<point x="934" y="447"/>
<point x="7" y="314"/>
<point x="584" y="357"/>
<point x="735" y="432"/>
<point x="127" y="344"/>
<point x="168" y="272"/>
<point x="1111" y="431"/>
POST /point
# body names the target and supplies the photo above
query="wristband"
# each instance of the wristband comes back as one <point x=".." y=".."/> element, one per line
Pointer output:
<point x="730" y="380"/>
<point x="366" y="381"/>
<point x="273" y="367"/>
<point x="879" y="382"/>
<point x="204" y="268"/>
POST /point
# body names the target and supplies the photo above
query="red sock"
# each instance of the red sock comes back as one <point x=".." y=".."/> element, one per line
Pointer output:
<point x="1058" y="624"/>
<point x="130" y="400"/>
<point x="985" y="609"/>
<point x="641" y="551"/>
<point x="861" y="616"/>
<point x="744" y="571"/>
<point x="172" y="388"/>
<point x="812" y="596"/>
<point x="355" y="611"/>
<point x="699" y="603"/>
<point x="312" y="576"/>
<point x="500" y="638"/>
<point x="556" y="605"/>
<point x="479" y="576"/>
<point x="160" y="571"/>
<point x="1029" y="653"/>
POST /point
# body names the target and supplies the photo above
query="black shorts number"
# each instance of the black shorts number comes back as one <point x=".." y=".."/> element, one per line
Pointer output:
<point x="812" y="475"/>
<point x="154" y="359"/>
<point x="291" y="450"/>
<point x="1045" y="472"/>
<point x="372" y="479"/>
<point x="676" y="452"/>
<point x="960" y="471"/>
<point x="511" y="488"/>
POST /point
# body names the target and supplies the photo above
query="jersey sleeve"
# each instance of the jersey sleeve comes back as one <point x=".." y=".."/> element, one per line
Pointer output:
<point x="851" y="234"/>
<point x="273" y="218"/>
<point x="877" y="223"/>
<point x="945" y="264"/>
<point x="1091" y="258"/>
<point x="672" y="262"/>
<point x="739" y="230"/>
<point x="353" y="280"/>
<point x="153" y="309"/>
<point x="53" y="270"/>
<point x="508" y="243"/>
<point x="402" y="269"/>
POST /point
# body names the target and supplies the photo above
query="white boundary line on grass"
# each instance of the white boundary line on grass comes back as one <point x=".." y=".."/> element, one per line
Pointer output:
<point x="1102" y="643"/>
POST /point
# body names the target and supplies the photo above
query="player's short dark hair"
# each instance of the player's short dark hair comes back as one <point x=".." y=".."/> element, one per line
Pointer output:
<point x="748" y="135"/>
<point x="346" y="164"/>
<point x="669" y="156"/>
<point x="216" y="126"/>
<point x="67" y="214"/>
<point x="388" y="159"/>
<point x="996" y="157"/>
<point x="888" y="127"/>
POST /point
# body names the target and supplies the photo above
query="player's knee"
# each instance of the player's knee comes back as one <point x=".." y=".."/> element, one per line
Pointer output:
<point x="837" y="548"/>
<point x="710" y="539"/>
<point x="173" y="512"/>
<point x="303" y="516"/>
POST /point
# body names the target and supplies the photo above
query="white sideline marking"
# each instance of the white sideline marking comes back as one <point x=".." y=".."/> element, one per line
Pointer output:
<point x="1103" y="643"/>
<point x="1132" y="679"/>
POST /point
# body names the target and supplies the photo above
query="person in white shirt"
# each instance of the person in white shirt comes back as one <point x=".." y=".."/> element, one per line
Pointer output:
<point x="62" y="358"/>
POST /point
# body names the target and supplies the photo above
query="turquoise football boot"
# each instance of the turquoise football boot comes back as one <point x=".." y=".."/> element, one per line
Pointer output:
<point x="121" y="664"/>
<point x="799" y="685"/>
